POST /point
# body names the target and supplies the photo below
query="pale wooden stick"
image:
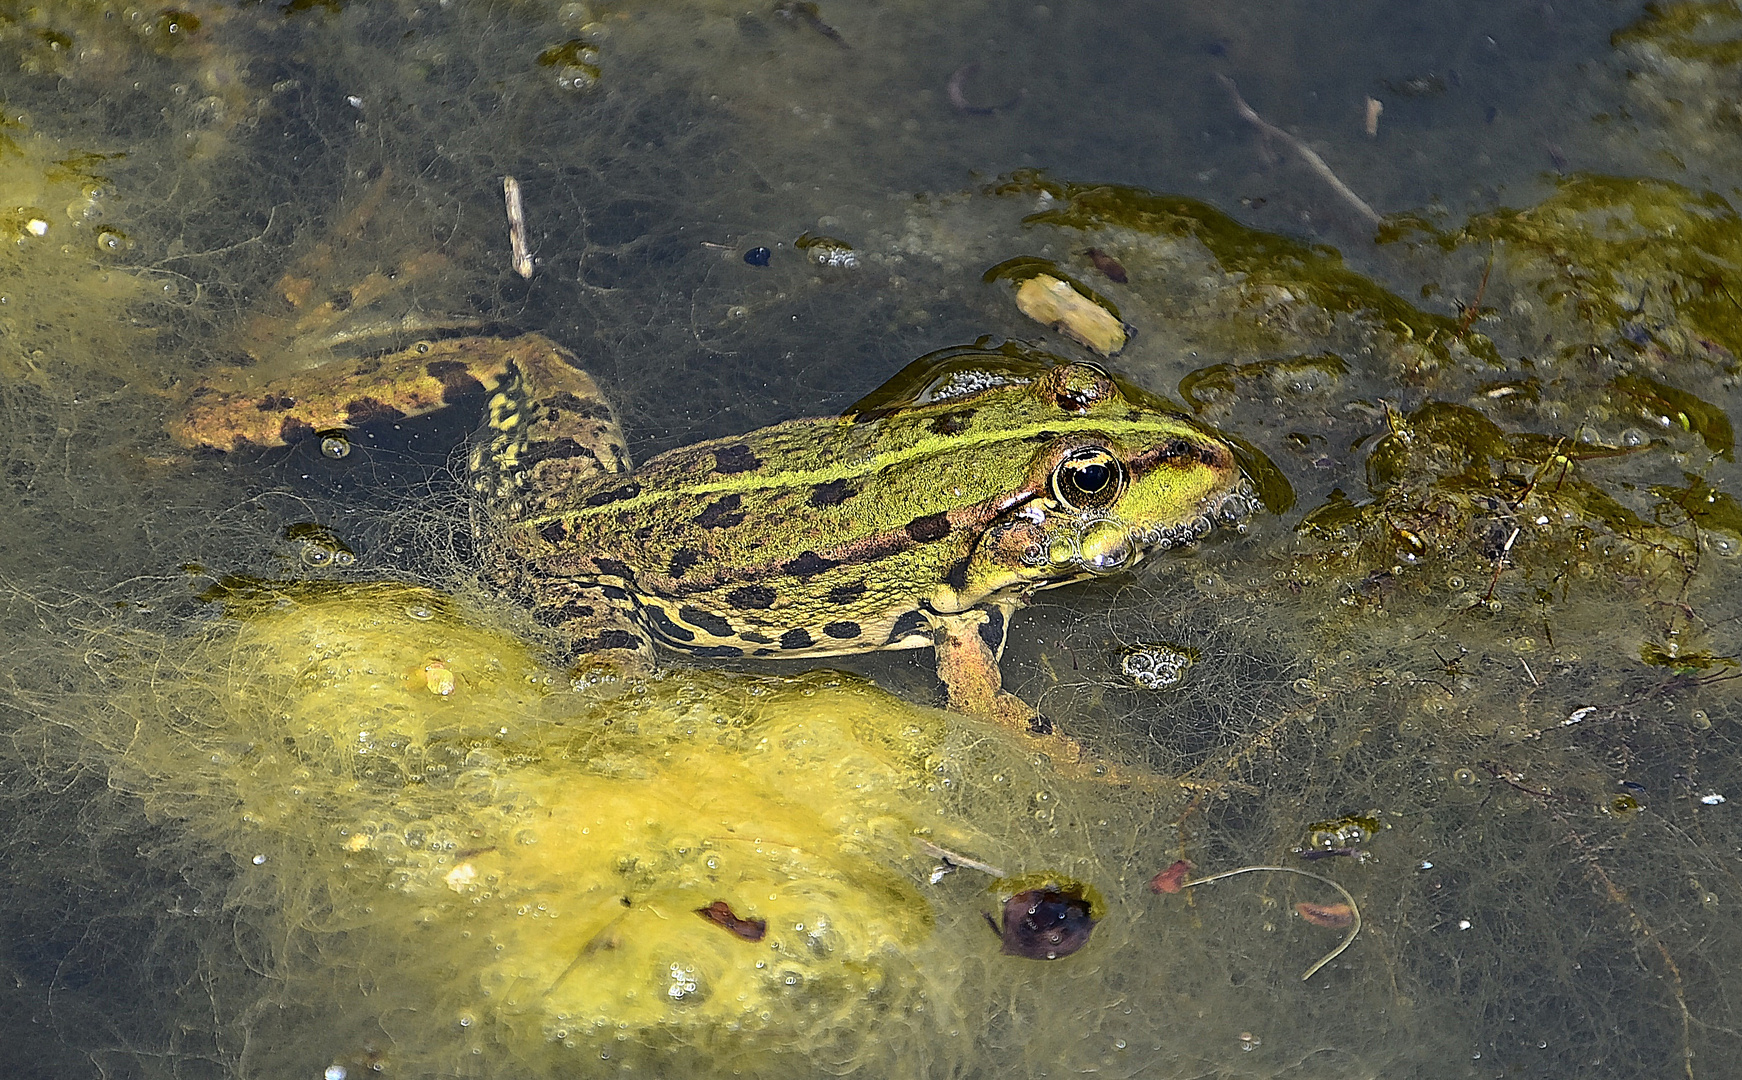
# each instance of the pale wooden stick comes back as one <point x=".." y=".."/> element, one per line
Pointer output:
<point x="517" y="227"/>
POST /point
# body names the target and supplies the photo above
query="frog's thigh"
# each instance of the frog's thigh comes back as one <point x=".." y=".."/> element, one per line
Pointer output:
<point x="601" y="636"/>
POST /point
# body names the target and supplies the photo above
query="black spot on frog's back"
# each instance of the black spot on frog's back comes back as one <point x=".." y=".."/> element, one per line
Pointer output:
<point x="910" y="623"/>
<point x="953" y="423"/>
<point x="369" y="410"/>
<point x="665" y="628"/>
<point x="456" y="378"/>
<point x="616" y="494"/>
<point x="796" y="639"/>
<point x="722" y="513"/>
<point x="833" y="493"/>
<point x="751" y="596"/>
<point x="736" y="458"/>
<point x="613" y="568"/>
<point x="808" y="564"/>
<point x="846" y="594"/>
<point x="683" y="560"/>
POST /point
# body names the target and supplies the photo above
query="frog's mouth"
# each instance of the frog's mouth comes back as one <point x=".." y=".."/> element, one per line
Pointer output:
<point x="1099" y="545"/>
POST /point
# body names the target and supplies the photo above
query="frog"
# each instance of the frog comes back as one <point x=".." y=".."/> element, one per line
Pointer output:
<point x="924" y="516"/>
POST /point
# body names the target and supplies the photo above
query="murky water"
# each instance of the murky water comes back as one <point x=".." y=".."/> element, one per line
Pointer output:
<point x="1475" y="664"/>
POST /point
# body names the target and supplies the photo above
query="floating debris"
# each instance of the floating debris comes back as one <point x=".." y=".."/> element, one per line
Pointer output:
<point x="1157" y="667"/>
<point x="1172" y="879"/>
<point x="957" y="89"/>
<point x="720" y="914"/>
<point x="1354" y="922"/>
<point x="521" y="254"/>
<point x="1108" y="265"/>
<point x="1313" y="160"/>
<point x="1328" y="915"/>
<point x="797" y="12"/>
<point x="827" y="252"/>
<point x="1047" y="923"/>
<point x="1046" y="299"/>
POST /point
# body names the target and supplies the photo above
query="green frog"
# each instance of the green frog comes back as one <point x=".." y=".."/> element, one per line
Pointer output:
<point x="922" y="518"/>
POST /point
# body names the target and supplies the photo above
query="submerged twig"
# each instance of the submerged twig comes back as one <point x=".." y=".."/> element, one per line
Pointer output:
<point x="517" y="227"/>
<point x="1354" y="909"/>
<point x="949" y="860"/>
<point x="1313" y="160"/>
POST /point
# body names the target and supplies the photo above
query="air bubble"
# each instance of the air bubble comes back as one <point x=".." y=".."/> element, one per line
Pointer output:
<point x="1464" y="777"/>
<point x="335" y="446"/>
<point x="1701" y="720"/>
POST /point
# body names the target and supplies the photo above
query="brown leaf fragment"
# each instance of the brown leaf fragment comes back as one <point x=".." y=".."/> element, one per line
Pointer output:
<point x="1328" y="915"/>
<point x="720" y="914"/>
<point x="1107" y="264"/>
<point x="1172" y="879"/>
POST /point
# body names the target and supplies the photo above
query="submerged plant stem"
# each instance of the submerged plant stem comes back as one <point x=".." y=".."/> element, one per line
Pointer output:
<point x="1313" y="160"/>
<point x="1354" y="927"/>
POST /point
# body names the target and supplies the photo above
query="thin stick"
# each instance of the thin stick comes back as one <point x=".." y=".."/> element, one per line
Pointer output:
<point x="953" y="859"/>
<point x="1313" y="160"/>
<point x="517" y="227"/>
<point x="1354" y="927"/>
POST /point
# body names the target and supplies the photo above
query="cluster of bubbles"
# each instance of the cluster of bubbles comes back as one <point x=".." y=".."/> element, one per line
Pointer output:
<point x="1102" y="544"/>
<point x="1157" y="667"/>
<point x="1233" y="509"/>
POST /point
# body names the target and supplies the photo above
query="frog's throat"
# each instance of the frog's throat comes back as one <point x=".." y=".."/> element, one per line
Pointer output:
<point x="1082" y="547"/>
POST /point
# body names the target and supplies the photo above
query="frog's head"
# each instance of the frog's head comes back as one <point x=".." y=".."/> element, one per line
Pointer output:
<point x="1116" y="481"/>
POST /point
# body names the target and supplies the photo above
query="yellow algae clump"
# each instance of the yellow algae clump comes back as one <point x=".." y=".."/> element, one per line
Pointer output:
<point x="688" y="869"/>
<point x="1046" y="299"/>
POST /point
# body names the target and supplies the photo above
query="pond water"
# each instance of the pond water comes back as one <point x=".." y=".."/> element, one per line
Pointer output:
<point x="286" y="791"/>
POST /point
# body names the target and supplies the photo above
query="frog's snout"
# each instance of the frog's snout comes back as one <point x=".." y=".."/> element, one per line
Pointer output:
<point x="1102" y="545"/>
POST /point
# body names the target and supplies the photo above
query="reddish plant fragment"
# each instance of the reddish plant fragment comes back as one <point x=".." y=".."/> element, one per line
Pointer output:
<point x="721" y="914"/>
<point x="1107" y="264"/>
<point x="1172" y="879"/>
<point x="1330" y="915"/>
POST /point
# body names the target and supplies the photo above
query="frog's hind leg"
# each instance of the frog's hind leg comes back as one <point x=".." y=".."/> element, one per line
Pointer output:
<point x="549" y="432"/>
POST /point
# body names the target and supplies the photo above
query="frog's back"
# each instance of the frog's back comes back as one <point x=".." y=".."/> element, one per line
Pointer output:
<point x="824" y="536"/>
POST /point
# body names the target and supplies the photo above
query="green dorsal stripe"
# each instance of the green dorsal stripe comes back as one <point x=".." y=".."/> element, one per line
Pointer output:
<point x="926" y="447"/>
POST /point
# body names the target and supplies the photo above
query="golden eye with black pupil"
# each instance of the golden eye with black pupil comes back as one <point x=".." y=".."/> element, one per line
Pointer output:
<point x="1088" y="479"/>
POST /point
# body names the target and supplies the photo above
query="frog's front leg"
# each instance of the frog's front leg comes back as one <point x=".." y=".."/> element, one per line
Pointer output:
<point x="968" y="646"/>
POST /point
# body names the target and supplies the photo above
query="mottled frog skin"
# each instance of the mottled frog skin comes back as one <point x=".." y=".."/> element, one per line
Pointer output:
<point x="923" y="518"/>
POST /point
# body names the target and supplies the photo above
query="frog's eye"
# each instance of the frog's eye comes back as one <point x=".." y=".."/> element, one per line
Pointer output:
<point x="1088" y="479"/>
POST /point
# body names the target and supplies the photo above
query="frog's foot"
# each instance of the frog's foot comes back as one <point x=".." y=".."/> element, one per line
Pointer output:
<point x="967" y="655"/>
